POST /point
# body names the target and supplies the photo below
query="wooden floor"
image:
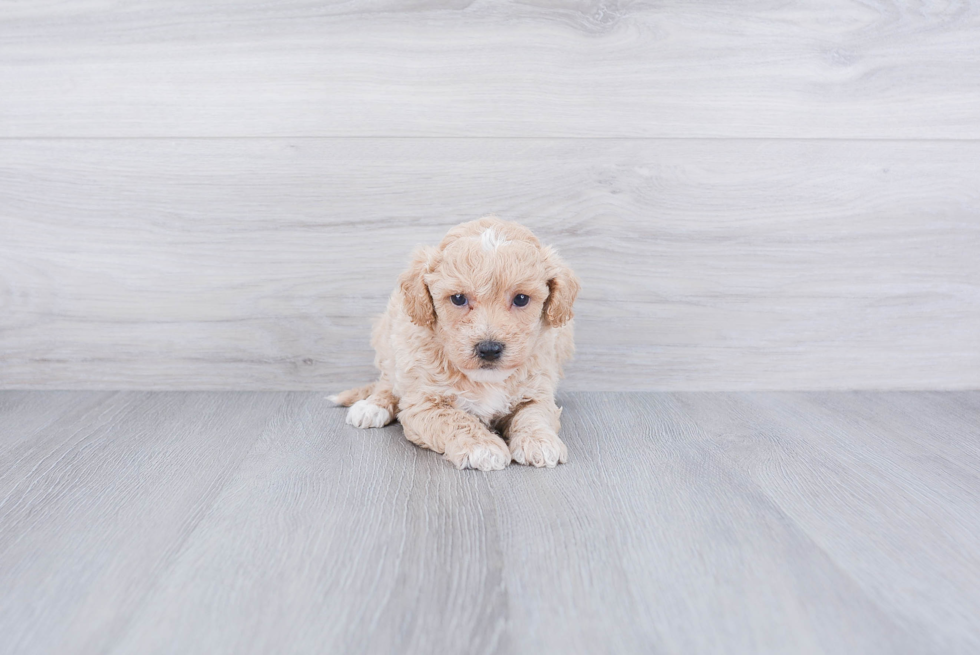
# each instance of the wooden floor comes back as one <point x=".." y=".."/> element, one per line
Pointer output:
<point x="205" y="522"/>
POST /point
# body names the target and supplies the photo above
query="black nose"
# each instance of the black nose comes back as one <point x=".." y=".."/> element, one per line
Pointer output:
<point x="489" y="350"/>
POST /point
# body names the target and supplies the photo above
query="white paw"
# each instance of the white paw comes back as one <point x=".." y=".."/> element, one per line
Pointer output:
<point x="539" y="450"/>
<point x="363" y="414"/>
<point x="480" y="455"/>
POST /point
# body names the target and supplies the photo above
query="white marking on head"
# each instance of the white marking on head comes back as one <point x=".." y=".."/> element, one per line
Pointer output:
<point x="491" y="240"/>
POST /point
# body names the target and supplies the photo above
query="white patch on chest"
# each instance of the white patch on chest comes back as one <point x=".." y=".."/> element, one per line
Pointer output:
<point x="490" y="240"/>
<point x="489" y="375"/>
<point x="486" y="402"/>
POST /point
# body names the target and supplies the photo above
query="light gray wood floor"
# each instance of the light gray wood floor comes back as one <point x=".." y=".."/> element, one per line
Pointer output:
<point x="135" y="522"/>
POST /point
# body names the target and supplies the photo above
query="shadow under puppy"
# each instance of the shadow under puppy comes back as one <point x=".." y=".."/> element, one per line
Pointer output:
<point x="471" y="346"/>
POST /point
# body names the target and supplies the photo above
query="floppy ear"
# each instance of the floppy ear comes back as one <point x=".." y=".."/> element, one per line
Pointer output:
<point x="418" y="302"/>
<point x="563" y="287"/>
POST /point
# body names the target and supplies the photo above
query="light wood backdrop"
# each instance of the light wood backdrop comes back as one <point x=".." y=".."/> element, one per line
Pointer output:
<point x="756" y="195"/>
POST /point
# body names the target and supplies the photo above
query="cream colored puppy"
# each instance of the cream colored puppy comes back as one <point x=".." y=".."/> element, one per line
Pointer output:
<point x="471" y="347"/>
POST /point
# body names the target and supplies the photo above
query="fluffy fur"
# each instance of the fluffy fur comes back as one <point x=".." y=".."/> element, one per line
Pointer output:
<point x="479" y="414"/>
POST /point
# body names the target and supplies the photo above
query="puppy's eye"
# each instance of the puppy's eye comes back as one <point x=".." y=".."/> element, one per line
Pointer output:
<point x="520" y="300"/>
<point x="458" y="299"/>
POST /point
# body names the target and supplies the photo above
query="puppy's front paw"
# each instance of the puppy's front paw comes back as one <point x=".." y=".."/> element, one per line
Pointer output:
<point x="539" y="449"/>
<point x="482" y="453"/>
<point x="363" y="414"/>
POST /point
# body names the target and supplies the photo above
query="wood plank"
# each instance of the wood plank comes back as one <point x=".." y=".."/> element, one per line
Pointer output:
<point x="938" y="431"/>
<point x="765" y="69"/>
<point x="27" y="417"/>
<point x="335" y="540"/>
<point x="256" y="264"/>
<point x="736" y="523"/>
<point x="648" y="541"/>
<point x="96" y="507"/>
<point x="379" y="546"/>
<point x="868" y="493"/>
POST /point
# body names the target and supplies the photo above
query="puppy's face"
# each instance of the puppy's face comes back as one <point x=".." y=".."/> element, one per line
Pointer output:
<point x="488" y="296"/>
<point x="491" y="290"/>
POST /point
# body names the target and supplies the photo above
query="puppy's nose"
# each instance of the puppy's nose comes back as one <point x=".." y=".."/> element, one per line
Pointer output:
<point x="489" y="350"/>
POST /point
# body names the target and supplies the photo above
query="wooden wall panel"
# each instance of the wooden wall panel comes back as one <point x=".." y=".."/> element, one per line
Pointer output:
<point x="763" y="68"/>
<point x="707" y="264"/>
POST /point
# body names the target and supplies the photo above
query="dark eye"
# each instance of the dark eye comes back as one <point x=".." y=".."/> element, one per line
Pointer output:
<point x="520" y="300"/>
<point x="458" y="299"/>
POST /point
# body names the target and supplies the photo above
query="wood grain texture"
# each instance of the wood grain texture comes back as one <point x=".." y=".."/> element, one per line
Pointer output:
<point x="684" y="522"/>
<point x="573" y="68"/>
<point x="375" y="546"/>
<point x="864" y="490"/>
<point x="98" y="503"/>
<point x="716" y="264"/>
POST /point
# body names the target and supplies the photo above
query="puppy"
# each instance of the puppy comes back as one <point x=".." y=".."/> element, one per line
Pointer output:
<point x="471" y="348"/>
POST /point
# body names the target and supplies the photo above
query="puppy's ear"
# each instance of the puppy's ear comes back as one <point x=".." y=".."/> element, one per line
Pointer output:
<point x="418" y="301"/>
<point x="563" y="288"/>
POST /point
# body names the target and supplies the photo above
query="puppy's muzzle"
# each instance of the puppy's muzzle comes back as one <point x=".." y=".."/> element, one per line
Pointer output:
<point x="489" y="351"/>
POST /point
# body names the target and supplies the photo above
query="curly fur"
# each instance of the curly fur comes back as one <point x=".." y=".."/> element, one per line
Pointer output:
<point x="476" y="413"/>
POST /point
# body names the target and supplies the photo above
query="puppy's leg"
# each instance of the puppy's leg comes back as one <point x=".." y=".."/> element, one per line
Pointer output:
<point x="435" y="424"/>
<point x="351" y="396"/>
<point x="532" y="432"/>
<point x="377" y="410"/>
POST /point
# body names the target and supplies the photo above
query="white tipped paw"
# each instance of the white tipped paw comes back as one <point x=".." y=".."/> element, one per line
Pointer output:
<point x="364" y="414"/>
<point x="542" y="450"/>
<point x="483" y="455"/>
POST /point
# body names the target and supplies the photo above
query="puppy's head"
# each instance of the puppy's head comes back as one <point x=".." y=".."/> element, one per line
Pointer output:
<point x="488" y="291"/>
